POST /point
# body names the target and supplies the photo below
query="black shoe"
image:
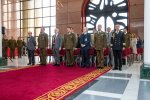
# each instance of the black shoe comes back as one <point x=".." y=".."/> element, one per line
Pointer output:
<point x="29" y="64"/>
<point x="115" y="68"/>
<point x="43" y="64"/>
<point x="54" y="64"/>
<point x="120" y="69"/>
<point x="58" y="65"/>
<point x="33" y="63"/>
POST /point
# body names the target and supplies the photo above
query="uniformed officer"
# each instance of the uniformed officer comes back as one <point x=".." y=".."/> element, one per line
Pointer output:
<point x="5" y="46"/>
<point x="100" y="44"/>
<point x="19" y="45"/>
<point x="127" y="38"/>
<point x="69" y="45"/>
<point x="85" y="41"/>
<point x="117" y="43"/>
<point x="12" y="46"/>
<point x="42" y="45"/>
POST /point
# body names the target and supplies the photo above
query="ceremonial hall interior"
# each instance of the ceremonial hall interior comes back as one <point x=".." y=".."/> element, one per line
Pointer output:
<point x="79" y="73"/>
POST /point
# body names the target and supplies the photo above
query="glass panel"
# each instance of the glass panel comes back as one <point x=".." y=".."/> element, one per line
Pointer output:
<point x="38" y="12"/>
<point x="4" y="1"/>
<point x="30" y="13"/>
<point x="24" y="14"/>
<point x="9" y="8"/>
<point x="37" y="31"/>
<point x="47" y="30"/>
<point x="46" y="12"/>
<point x="38" y="4"/>
<point x="53" y="2"/>
<point x="17" y="6"/>
<point x="31" y="30"/>
<point x="18" y="15"/>
<point x="46" y="21"/>
<point x="21" y="21"/>
<point x="9" y="24"/>
<point x="18" y="24"/>
<point x="52" y="30"/>
<point x="24" y="5"/>
<point x="4" y="16"/>
<point x="4" y="8"/>
<point x="13" y="24"/>
<point x="110" y="23"/>
<point x="24" y="23"/>
<point x="5" y="24"/>
<point x="25" y="32"/>
<point x="9" y="16"/>
<point x="46" y="3"/>
<point x="53" y="21"/>
<point x="18" y="32"/>
<point x="21" y="32"/>
<point x="53" y="11"/>
<point x="30" y="22"/>
<point x="31" y="4"/>
<point x="102" y="22"/>
<point x="38" y="22"/>
<point x="13" y="16"/>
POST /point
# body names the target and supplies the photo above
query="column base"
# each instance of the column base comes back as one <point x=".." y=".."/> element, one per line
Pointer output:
<point x="3" y="62"/>
<point x="145" y="71"/>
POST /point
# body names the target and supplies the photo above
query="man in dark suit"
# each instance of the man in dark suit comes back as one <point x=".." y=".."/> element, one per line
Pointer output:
<point x="31" y="43"/>
<point x="56" y="46"/>
<point x="85" y="41"/>
<point x="117" y="44"/>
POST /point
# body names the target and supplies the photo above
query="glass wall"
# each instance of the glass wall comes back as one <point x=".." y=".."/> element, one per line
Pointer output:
<point x="21" y="16"/>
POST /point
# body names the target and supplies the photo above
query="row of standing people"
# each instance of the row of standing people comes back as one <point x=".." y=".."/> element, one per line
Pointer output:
<point x="12" y="44"/>
<point x="117" y="42"/>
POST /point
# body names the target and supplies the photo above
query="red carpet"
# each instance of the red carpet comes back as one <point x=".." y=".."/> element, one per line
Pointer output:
<point x="45" y="83"/>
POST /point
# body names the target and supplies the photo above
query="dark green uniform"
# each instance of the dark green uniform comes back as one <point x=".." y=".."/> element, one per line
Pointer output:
<point x="19" y="45"/>
<point x="127" y="40"/>
<point x="100" y="42"/>
<point x="12" y="46"/>
<point x="69" y="44"/>
<point x="42" y="45"/>
<point x="4" y="47"/>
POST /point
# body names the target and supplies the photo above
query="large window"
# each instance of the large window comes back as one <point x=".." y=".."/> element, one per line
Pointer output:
<point x="106" y="13"/>
<point x="21" y="16"/>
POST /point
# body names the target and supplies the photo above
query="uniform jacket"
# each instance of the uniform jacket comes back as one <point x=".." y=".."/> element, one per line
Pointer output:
<point x="86" y="40"/>
<point x="117" y="40"/>
<point x="69" y="41"/>
<point x="43" y="40"/>
<point x="100" y="41"/>
<point x="12" y="43"/>
<point x="4" y="43"/>
<point x="127" y="40"/>
<point x="19" y="43"/>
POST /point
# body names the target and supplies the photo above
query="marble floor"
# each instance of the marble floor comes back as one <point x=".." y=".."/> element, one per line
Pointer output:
<point x="114" y="85"/>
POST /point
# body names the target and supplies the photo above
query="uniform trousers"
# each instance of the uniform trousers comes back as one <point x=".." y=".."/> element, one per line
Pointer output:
<point x="69" y="57"/>
<point x="100" y="58"/>
<point x="117" y="59"/>
<point x="43" y="56"/>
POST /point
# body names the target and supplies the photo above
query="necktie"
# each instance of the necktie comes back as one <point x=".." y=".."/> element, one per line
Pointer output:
<point x="54" y="38"/>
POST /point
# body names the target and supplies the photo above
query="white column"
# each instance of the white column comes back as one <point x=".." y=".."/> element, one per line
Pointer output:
<point x="147" y="32"/>
<point x="0" y="31"/>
